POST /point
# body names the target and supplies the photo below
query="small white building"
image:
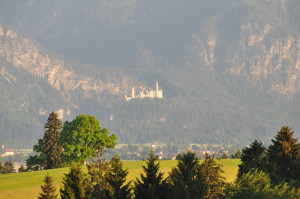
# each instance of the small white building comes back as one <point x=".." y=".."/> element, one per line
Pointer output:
<point x="8" y="152"/>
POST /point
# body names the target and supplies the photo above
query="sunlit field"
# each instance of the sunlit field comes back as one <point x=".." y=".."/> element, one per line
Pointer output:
<point x="27" y="185"/>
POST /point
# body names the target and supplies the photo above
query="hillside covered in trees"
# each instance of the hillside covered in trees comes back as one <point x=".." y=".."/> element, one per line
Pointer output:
<point x="229" y="69"/>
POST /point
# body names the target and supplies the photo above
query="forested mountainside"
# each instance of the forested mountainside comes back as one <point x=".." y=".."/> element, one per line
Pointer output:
<point x="230" y="70"/>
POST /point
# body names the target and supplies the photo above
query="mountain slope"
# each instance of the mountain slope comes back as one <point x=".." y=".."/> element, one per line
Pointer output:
<point x="230" y="70"/>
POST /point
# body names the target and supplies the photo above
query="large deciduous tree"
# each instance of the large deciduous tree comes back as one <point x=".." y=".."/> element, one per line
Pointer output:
<point x="284" y="156"/>
<point x="83" y="137"/>
<point x="52" y="147"/>
<point x="149" y="186"/>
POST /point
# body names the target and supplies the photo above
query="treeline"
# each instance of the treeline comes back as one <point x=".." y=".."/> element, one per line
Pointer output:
<point x="107" y="180"/>
<point x="272" y="172"/>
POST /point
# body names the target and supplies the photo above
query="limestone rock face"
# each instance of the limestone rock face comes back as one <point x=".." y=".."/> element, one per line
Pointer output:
<point x="63" y="75"/>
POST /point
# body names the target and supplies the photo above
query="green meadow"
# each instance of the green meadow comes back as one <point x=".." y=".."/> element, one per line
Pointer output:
<point x="27" y="185"/>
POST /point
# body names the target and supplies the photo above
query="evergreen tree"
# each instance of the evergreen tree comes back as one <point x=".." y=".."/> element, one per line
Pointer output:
<point x="214" y="182"/>
<point x="8" y="167"/>
<point x="48" y="189"/>
<point x="150" y="184"/>
<point x="75" y="185"/>
<point x="187" y="181"/>
<point x="98" y="171"/>
<point x="52" y="148"/>
<point x="253" y="157"/>
<point x="116" y="178"/>
<point x="284" y="156"/>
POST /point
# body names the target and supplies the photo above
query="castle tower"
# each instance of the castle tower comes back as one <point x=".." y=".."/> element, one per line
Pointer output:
<point x="132" y="93"/>
<point x="156" y="88"/>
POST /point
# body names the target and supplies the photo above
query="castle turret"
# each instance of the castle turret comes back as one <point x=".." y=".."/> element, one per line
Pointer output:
<point x="132" y="93"/>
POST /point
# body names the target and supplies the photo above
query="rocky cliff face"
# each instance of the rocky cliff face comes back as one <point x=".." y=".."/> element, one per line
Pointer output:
<point x="262" y="50"/>
<point x="65" y="76"/>
<point x="273" y="58"/>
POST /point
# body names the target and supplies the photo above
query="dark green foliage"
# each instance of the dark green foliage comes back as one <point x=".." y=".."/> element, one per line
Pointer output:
<point x="236" y="155"/>
<point x="187" y="181"/>
<point x="253" y="157"/>
<point x="213" y="180"/>
<point x="149" y="186"/>
<point x="284" y="156"/>
<point x="75" y="184"/>
<point x="98" y="171"/>
<point x="37" y="162"/>
<point x="52" y="148"/>
<point x="257" y="184"/>
<point x="1" y="168"/>
<point x="8" y="167"/>
<point x="48" y="189"/>
<point x="116" y="178"/>
<point x="83" y="137"/>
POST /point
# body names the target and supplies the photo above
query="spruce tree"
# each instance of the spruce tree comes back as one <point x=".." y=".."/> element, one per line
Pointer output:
<point x="98" y="170"/>
<point x="283" y="156"/>
<point x="116" y="178"/>
<point x="149" y="186"/>
<point x="187" y="180"/>
<point x="52" y="148"/>
<point x="213" y="180"/>
<point x="253" y="157"/>
<point x="48" y="189"/>
<point x="75" y="185"/>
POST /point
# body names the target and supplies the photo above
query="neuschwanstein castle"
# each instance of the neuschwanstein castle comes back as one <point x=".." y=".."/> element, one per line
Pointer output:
<point x="157" y="93"/>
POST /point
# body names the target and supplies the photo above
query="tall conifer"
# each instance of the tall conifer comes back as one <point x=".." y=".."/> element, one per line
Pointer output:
<point x="149" y="186"/>
<point x="52" y="148"/>
<point x="75" y="185"/>
<point x="213" y="180"/>
<point x="187" y="180"/>
<point x="116" y="178"/>
<point x="48" y="189"/>
<point x="284" y="156"/>
<point x="98" y="170"/>
<point x="253" y="157"/>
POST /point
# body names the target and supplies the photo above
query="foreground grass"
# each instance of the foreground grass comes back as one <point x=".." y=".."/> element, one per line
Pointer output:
<point x="27" y="185"/>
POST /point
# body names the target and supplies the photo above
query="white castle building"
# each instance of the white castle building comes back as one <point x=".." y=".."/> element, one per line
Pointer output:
<point x="157" y="93"/>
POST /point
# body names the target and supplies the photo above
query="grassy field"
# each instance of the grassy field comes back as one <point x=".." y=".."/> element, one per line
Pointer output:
<point x="27" y="185"/>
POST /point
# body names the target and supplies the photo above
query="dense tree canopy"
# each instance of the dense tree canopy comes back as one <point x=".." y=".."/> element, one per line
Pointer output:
<point x="83" y="137"/>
